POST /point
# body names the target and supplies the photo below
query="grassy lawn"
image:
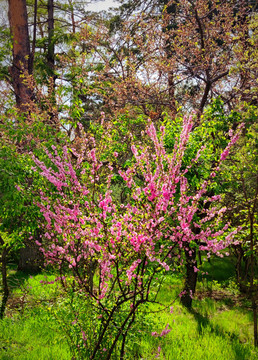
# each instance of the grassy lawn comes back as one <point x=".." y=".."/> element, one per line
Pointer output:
<point x="28" y="330"/>
<point x="218" y="327"/>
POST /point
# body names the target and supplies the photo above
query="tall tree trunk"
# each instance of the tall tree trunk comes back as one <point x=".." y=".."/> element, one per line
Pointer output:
<point x="72" y="15"/>
<point x="51" y="46"/>
<point x="51" y="64"/>
<point x="22" y="57"/>
<point x="191" y="278"/>
<point x="18" y="20"/>
<point x="171" y="92"/>
<point x="171" y="10"/>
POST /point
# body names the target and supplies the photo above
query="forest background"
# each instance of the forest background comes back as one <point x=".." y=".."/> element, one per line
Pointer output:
<point x="128" y="165"/>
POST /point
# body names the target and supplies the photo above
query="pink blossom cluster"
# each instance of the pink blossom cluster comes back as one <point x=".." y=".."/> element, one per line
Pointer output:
<point x="86" y="228"/>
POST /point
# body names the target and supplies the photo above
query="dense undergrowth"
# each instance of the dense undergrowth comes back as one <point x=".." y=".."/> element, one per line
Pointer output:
<point x="39" y="325"/>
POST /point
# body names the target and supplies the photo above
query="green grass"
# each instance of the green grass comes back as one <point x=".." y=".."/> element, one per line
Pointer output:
<point x="34" y="336"/>
<point x="214" y="329"/>
<point x="210" y="331"/>
<point x="29" y="331"/>
<point x="220" y="269"/>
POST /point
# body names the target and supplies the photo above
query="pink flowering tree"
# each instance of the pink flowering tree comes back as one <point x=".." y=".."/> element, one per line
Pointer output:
<point x="109" y="253"/>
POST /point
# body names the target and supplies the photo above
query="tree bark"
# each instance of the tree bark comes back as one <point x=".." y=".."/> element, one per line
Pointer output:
<point x="191" y="278"/>
<point x="171" y="92"/>
<point x="51" y="46"/>
<point x="51" y="63"/>
<point x="18" y="20"/>
<point x="31" y="259"/>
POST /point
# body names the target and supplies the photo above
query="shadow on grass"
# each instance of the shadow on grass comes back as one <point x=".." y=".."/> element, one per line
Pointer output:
<point x="204" y="324"/>
<point x="219" y="269"/>
<point x="17" y="279"/>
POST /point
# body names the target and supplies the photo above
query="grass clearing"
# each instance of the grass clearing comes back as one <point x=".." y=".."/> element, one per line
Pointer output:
<point x="215" y="328"/>
<point x="210" y="331"/>
<point x="29" y="331"/>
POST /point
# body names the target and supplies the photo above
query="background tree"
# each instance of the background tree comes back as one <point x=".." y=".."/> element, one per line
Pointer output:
<point x="241" y="195"/>
<point x="146" y="70"/>
<point x="18" y="19"/>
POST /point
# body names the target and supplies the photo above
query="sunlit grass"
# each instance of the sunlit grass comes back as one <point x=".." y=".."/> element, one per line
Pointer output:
<point x="29" y="331"/>
<point x="212" y="330"/>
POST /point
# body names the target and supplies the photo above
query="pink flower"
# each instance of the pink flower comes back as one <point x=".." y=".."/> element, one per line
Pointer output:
<point x="165" y="331"/>
<point x="166" y="195"/>
<point x="182" y="293"/>
<point x="73" y="263"/>
<point x="224" y="154"/>
<point x="134" y="150"/>
<point x="83" y="335"/>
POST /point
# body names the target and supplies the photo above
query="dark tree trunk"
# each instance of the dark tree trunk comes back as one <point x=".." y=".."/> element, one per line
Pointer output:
<point x="171" y="76"/>
<point x="171" y="92"/>
<point x="190" y="280"/>
<point x="18" y="20"/>
<point x="72" y="16"/>
<point x="51" y="64"/>
<point x="31" y="259"/>
<point x="51" y="46"/>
